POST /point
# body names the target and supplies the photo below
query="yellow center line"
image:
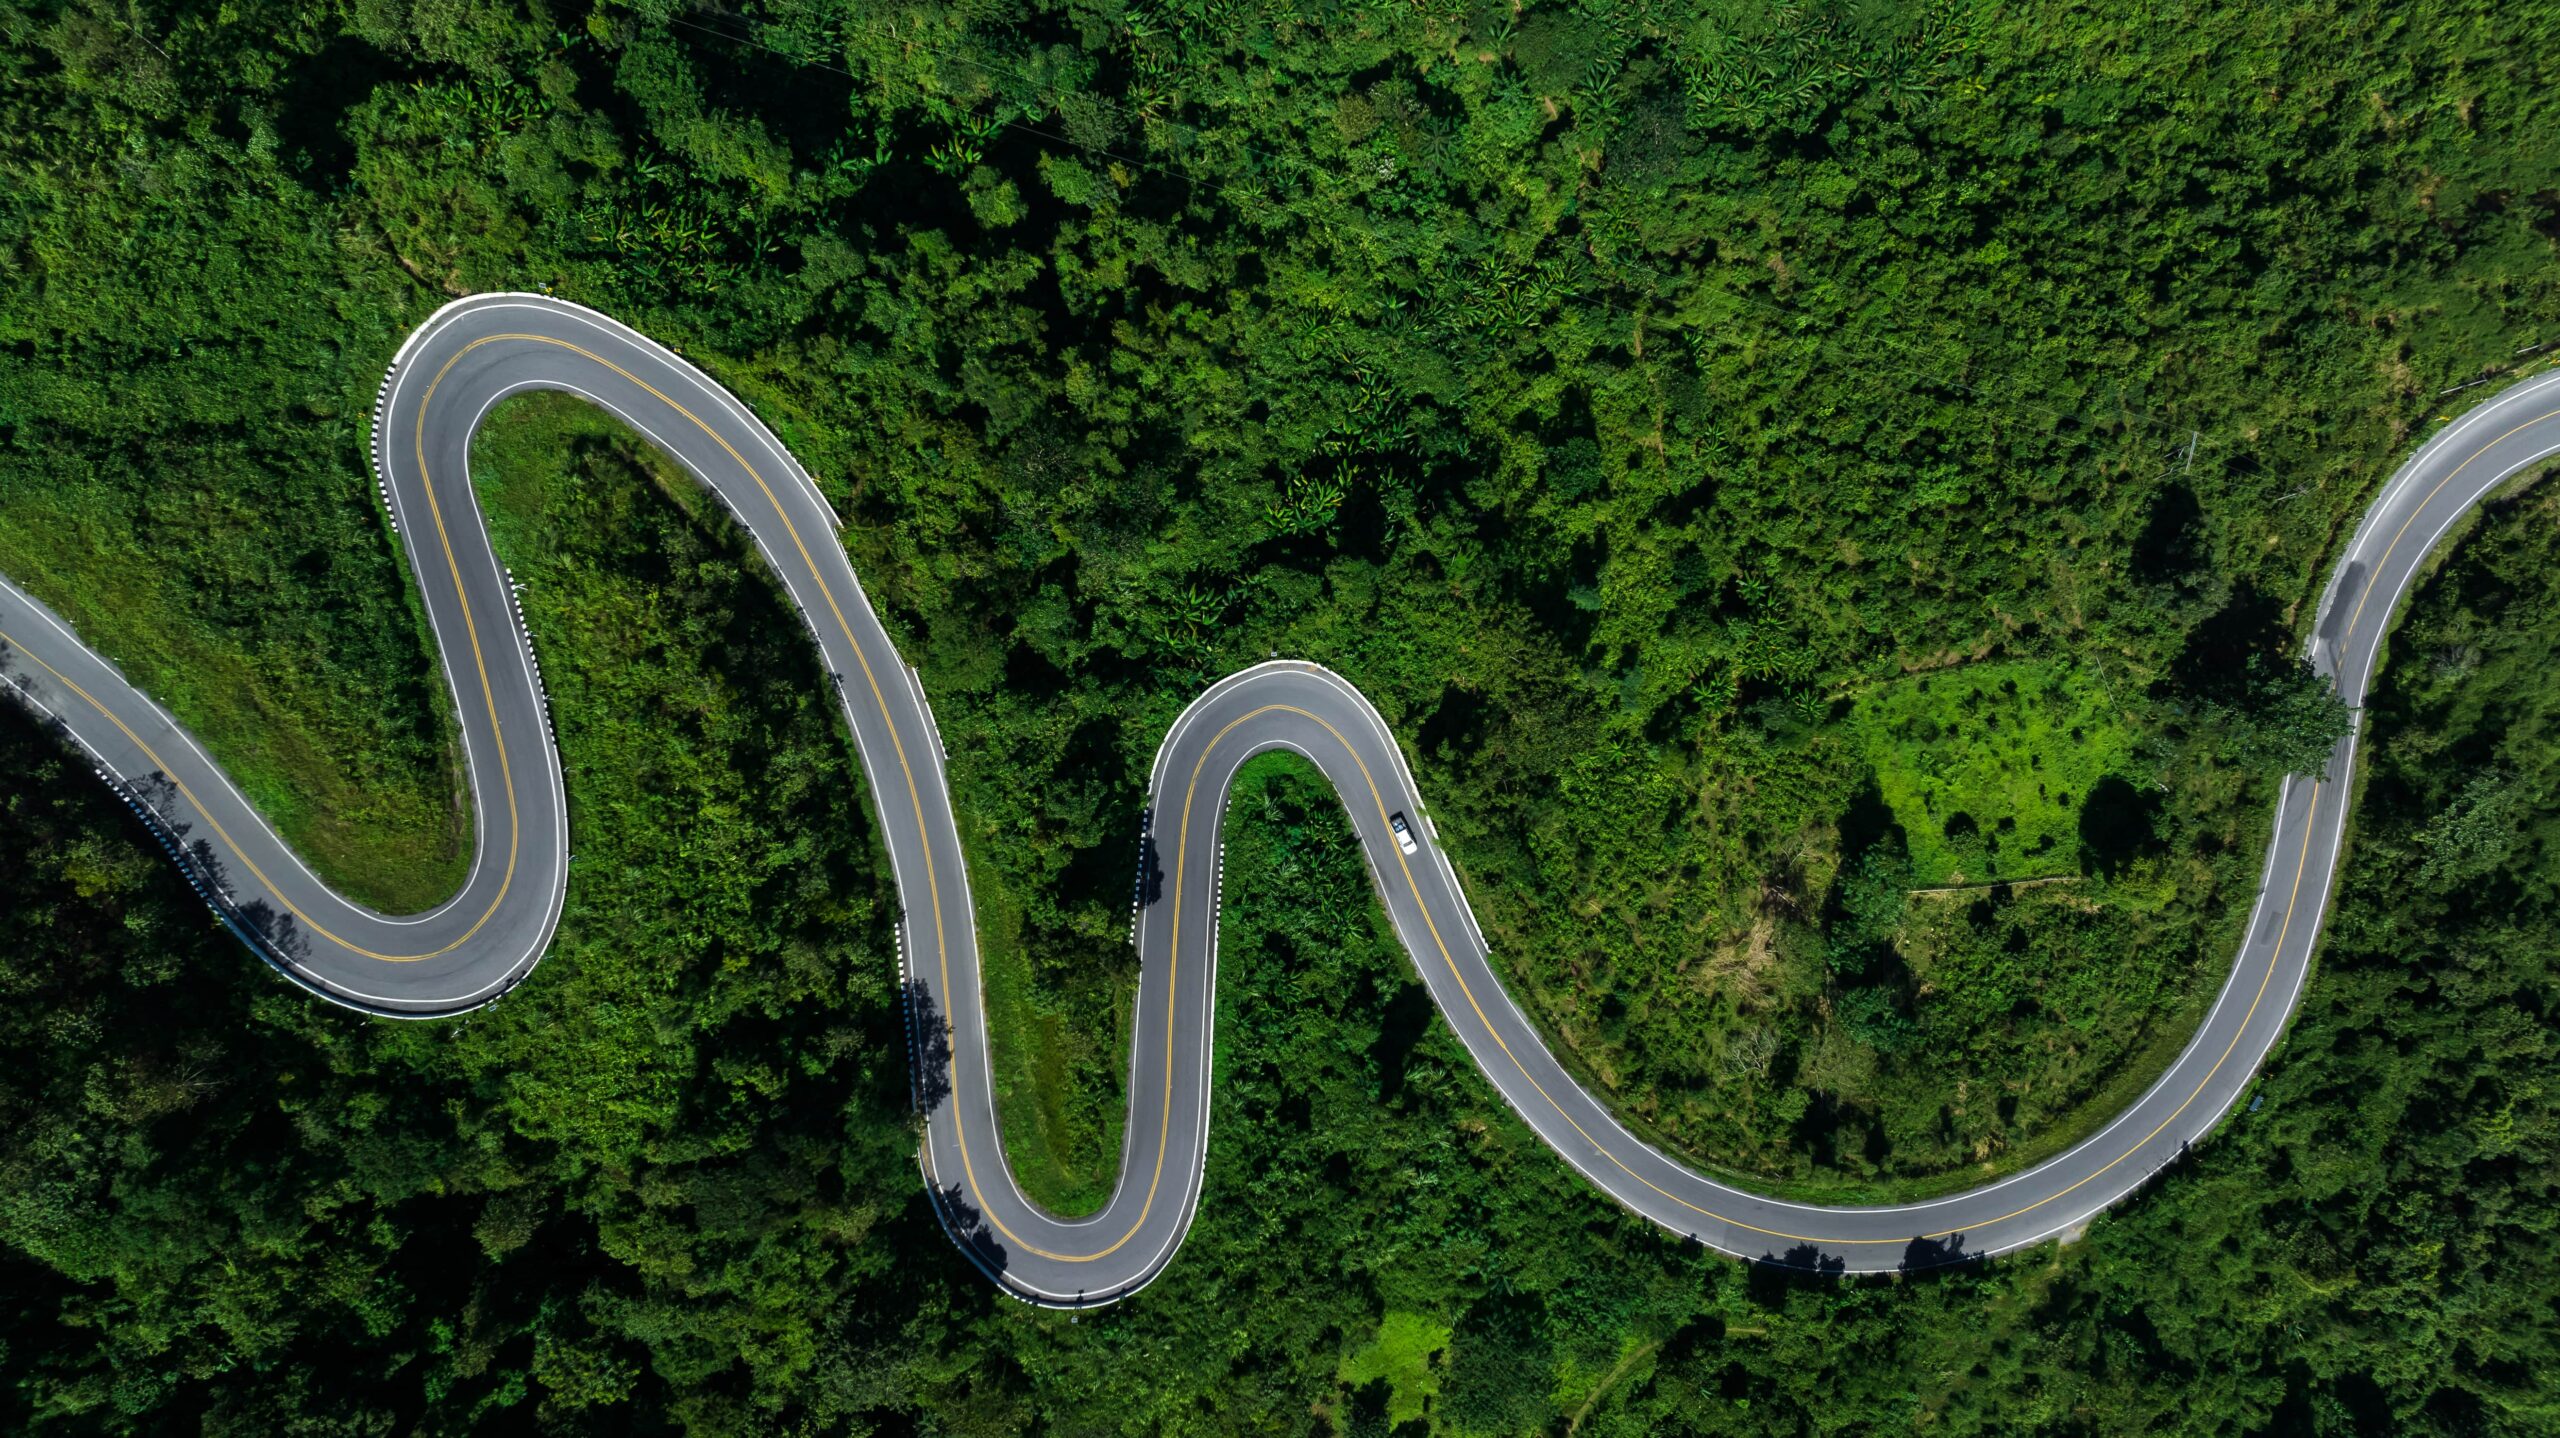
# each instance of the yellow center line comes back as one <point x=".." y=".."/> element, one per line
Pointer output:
<point x="932" y="880"/>
<point x="1604" y="1151"/>
<point x="2421" y="508"/>
<point x="1173" y="979"/>
<point x="897" y="744"/>
<point x="453" y="566"/>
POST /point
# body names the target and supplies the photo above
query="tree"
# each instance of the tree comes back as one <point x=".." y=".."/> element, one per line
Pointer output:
<point x="2286" y="719"/>
<point x="1873" y="893"/>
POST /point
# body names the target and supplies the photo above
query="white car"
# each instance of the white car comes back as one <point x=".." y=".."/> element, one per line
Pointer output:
<point x="1404" y="833"/>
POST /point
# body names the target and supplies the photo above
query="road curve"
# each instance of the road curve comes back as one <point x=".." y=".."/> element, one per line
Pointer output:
<point x="489" y="936"/>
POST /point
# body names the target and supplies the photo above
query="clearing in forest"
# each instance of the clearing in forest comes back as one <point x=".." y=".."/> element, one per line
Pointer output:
<point x="1987" y="767"/>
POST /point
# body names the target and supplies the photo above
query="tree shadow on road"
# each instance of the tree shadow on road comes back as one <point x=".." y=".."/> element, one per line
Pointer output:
<point x="1935" y="1255"/>
<point x="969" y="1228"/>
<point x="929" y="1048"/>
<point x="1149" y="884"/>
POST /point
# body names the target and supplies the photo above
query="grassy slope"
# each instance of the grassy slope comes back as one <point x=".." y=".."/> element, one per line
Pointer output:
<point x="1060" y="1109"/>
<point x="381" y="814"/>
<point x="2014" y="748"/>
<point x="183" y="478"/>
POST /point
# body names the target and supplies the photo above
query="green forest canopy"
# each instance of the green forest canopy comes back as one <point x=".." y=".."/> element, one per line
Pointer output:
<point x="1616" y="392"/>
<point x="664" y="1190"/>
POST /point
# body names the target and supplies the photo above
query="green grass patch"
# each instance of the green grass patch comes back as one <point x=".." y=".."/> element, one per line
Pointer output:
<point x="286" y="646"/>
<point x="1400" y="1357"/>
<point x="1987" y="767"/>
<point x="1057" y="1102"/>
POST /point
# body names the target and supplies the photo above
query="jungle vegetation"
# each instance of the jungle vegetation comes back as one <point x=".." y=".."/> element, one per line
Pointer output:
<point x="1688" y="423"/>
<point x="670" y="1188"/>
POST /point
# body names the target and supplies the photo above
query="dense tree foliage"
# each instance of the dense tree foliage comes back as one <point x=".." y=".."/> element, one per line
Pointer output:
<point x="227" y="1208"/>
<point x="1684" y="421"/>
<point x="1621" y="393"/>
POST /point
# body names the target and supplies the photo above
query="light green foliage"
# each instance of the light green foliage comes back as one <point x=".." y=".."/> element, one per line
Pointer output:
<point x="1056" y="1080"/>
<point x="169" y="351"/>
<point x="1404" y="1356"/>
<point x="1987" y="767"/>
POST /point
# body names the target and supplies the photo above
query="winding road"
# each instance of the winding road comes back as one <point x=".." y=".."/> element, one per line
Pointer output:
<point x="489" y="936"/>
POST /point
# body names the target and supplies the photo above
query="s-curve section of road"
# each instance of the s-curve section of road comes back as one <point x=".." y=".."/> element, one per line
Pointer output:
<point x="489" y="936"/>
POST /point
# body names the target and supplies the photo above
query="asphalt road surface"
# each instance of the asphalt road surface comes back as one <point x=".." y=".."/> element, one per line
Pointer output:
<point x="488" y="937"/>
